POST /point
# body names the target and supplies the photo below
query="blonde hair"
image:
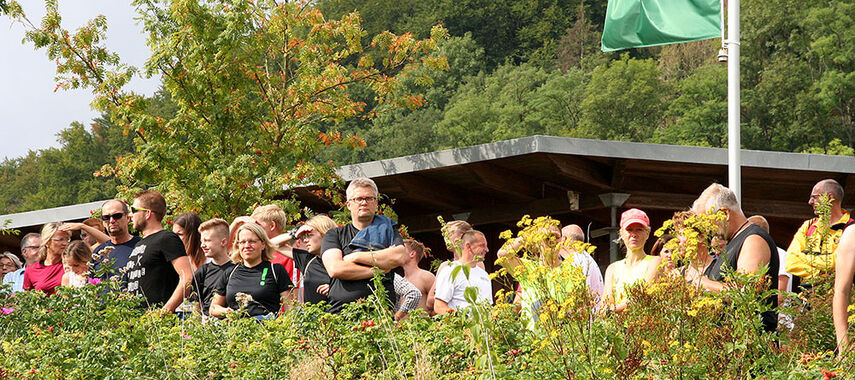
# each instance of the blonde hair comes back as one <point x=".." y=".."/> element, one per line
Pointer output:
<point x="267" y="254"/>
<point x="77" y="250"/>
<point x="321" y="223"/>
<point x="48" y="230"/>
<point x="220" y="226"/>
<point x="271" y="213"/>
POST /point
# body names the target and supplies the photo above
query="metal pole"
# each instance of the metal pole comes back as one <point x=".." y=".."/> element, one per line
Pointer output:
<point x="734" y="180"/>
<point x="613" y="236"/>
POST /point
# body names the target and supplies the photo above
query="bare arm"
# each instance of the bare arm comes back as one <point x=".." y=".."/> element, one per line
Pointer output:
<point x="99" y="236"/>
<point x="510" y="261"/>
<point x="218" y="307"/>
<point x="386" y="259"/>
<point x="429" y="304"/>
<point x="440" y="307"/>
<point x="844" y="272"/>
<point x="608" y="288"/>
<point x="754" y="254"/>
<point x="282" y="244"/>
<point x="182" y="267"/>
<point x="344" y="270"/>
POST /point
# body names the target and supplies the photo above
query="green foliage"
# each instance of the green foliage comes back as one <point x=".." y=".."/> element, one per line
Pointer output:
<point x="250" y="82"/>
<point x="624" y="101"/>
<point x="62" y="176"/>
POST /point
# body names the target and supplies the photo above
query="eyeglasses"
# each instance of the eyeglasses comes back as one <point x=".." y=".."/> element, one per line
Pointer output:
<point x="249" y="242"/>
<point x="363" y="199"/>
<point x="30" y="247"/>
<point x="61" y="240"/>
<point x="116" y="216"/>
<point x="134" y="210"/>
<point x="9" y="265"/>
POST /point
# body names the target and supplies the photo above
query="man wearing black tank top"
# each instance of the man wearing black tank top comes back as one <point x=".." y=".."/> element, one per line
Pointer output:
<point x="748" y="249"/>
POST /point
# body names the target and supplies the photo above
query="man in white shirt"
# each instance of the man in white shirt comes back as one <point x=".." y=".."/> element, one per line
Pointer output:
<point x="30" y="250"/>
<point x="450" y="288"/>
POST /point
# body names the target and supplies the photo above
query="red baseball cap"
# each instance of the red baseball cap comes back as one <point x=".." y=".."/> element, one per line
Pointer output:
<point x="633" y="215"/>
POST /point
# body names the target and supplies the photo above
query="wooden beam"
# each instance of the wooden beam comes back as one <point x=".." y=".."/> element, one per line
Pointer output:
<point x="518" y="185"/>
<point x="618" y="174"/>
<point x="443" y="195"/>
<point x="581" y="170"/>
<point x="506" y="213"/>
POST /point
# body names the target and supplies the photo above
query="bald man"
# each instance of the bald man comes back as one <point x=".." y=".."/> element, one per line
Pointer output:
<point x="812" y="252"/>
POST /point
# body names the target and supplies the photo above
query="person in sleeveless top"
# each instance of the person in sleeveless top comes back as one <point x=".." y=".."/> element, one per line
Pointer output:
<point x="749" y="247"/>
<point x="636" y="267"/>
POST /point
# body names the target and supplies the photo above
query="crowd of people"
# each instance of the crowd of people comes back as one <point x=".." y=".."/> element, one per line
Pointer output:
<point x="256" y="266"/>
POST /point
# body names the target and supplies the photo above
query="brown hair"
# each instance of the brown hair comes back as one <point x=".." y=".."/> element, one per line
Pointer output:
<point x="267" y="254"/>
<point x="153" y="201"/>
<point x="417" y="247"/>
<point x="190" y="222"/>
<point x="95" y="223"/>
<point x="78" y="251"/>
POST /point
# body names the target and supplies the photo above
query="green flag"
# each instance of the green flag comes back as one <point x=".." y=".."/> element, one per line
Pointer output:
<point x="640" y="23"/>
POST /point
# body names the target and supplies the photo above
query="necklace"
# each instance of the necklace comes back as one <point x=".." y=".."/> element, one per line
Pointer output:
<point x="739" y="229"/>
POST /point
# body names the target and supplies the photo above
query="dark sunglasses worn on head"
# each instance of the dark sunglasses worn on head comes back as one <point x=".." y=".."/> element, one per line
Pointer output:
<point x="115" y="216"/>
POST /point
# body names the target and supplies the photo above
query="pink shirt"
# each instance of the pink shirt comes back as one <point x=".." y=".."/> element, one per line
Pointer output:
<point x="43" y="277"/>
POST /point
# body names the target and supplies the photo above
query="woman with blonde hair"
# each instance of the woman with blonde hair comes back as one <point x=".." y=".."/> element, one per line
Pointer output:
<point x="306" y="253"/>
<point x="46" y="274"/>
<point x="255" y="284"/>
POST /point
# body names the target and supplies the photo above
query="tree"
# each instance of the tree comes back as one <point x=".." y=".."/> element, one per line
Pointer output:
<point x="251" y="81"/>
<point x="624" y="100"/>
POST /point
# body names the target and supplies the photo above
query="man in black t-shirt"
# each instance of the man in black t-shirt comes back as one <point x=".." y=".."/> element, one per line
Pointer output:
<point x="352" y="272"/>
<point x="158" y="268"/>
<point x="116" y="251"/>
<point x="215" y="244"/>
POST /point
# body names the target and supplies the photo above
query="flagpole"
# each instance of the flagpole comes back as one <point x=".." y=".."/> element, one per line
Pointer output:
<point x="734" y="179"/>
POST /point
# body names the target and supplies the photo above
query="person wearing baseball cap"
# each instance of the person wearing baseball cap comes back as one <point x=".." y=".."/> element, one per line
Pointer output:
<point x="636" y="267"/>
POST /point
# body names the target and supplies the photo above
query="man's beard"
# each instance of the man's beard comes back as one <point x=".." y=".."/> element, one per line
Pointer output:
<point x="139" y="226"/>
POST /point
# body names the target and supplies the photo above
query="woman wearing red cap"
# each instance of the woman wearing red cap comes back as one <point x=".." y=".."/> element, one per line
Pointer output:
<point x="636" y="266"/>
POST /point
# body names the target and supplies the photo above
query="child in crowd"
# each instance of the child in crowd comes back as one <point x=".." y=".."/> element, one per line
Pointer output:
<point x="75" y="262"/>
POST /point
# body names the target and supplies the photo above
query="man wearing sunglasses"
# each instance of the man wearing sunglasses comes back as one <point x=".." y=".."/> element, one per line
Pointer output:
<point x="116" y="251"/>
<point x="158" y="268"/>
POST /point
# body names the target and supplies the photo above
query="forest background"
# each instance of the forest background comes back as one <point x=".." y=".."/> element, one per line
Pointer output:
<point x="520" y="68"/>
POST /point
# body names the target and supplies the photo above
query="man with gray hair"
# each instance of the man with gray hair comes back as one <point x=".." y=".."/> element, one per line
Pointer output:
<point x="749" y="247"/>
<point x="30" y="251"/>
<point x="812" y="249"/>
<point x="351" y="252"/>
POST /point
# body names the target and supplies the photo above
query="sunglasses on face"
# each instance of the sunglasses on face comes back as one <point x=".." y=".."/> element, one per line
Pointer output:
<point x="116" y="216"/>
<point x="134" y="210"/>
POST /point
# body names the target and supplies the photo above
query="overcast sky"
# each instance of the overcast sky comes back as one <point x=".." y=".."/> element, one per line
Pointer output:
<point x="31" y="113"/>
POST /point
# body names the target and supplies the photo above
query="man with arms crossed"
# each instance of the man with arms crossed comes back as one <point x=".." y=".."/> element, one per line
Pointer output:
<point x="158" y="268"/>
<point x="352" y="271"/>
